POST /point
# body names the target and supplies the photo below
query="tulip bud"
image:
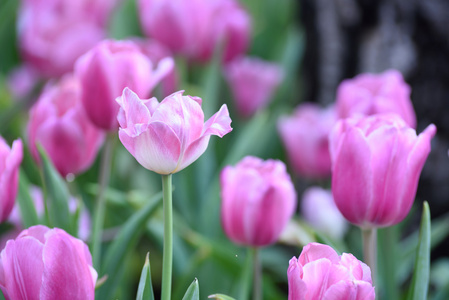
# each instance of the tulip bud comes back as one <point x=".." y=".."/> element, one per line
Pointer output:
<point x="258" y="200"/>
<point x="376" y="163"/>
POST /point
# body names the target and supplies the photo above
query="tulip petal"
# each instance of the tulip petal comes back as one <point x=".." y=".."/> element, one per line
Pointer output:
<point x="297" y="288"/>
<point x="134" y="114"/>
<point x="219" y="124"/>
<point x="314" y="251"/>
<point x="316" y="276"/>
<point x="350" y="290"/>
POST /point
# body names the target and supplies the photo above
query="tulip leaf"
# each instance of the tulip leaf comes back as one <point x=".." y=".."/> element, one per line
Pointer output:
<point x="26" y="204"/>
<point x="126" y="239"/>
<point x="193" y="292"/>
<point x="220" y="297"/>
<point x="57" y="196"/>
<point x="145" y="290"/>
<point x="421" y="274"/>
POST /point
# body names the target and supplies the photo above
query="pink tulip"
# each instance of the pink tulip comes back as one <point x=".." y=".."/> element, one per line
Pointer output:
<point x="194" y="28"/>
<point x="10" y="159"/>
<point x="252" y="83"/>
<point x="376" y="163"/>
<point x="319" y="273"/>
<point x="166" y="137"/>
<point x="43" y="263"/>
<point x="305" y="136"/>
<point x="59" y="123"/>
<point x="258" y="200"/>
<point x="54" y="33"/>
<point x="370" y="94"/>
<point x="107" y="69"/>
<point x="319" y="210"/>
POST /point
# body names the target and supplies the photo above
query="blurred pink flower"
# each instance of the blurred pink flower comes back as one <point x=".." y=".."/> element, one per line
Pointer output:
<point x="107" y="69"/>
<point x="209" y="23"/>
<point x="376" y="163"/>
<point x="168" y="136"/>
<point x="370" y="94"/>
<point x="305" y="136"/>
<point x="319" y="273"/>
<point x="252" y="82"/>
<point x="21" y="81"/>
<point x="43" y="263"/>
<point x="319" y="210"/>
<point x="54" y="33"/>
<point x="258" y="200"/>
<point x="10" y="159"/>
<point x="59" y="123"/>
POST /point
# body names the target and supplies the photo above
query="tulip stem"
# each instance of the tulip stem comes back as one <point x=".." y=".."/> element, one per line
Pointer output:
<point x="167" y="259"/>
<point x="257" y="285"/>
<point x="100" y="208"/>
<point x="369" y="236"/>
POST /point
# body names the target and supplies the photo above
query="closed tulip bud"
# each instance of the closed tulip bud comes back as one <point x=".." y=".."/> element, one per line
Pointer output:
<point x="10" y="159"/>
<point x="369" y="94"/>
<point x="319" y="273"/>
<point x="305" y="135"/>
<point x="107" y="69"/>
<point x="376" y="163"/>
<point x="258" y="200"/>
<point x="43" y="263"/>
<point x="59" y="124"/>
<point x="252" y="82"/>
<point x="168" y="136"/>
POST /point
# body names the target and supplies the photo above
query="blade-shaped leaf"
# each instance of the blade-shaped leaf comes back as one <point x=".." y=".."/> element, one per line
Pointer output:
<point x="420" y="281"/>
<point x="26" y="204"/>
<point x="220" y="297"/>
<point x="193" y="292"/>
<point x="145" y="290"/>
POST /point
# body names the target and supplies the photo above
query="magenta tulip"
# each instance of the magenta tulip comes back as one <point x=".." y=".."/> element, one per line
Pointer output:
<point x="258" y="200"/>
<point x="107" y="69"/>
<point x="319" y="273"/>
<point x="58" y="122"/>
<point x="319" y="210"/>
<point x="168" y="136"/>
<point x="43" y="263"/>
<point x="369" y="94"/>
<point x="376" y="163"/>
<point x="305" y="136"/>
<point x="10" y="159"/>
<point x="252" y="83"/>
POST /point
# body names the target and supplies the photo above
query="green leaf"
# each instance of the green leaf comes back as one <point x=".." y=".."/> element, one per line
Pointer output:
<point x="125" y="241"/>
<point x="57" y="196"/>
<point x="26" y="204"/>
<point x="145" y="290"/>
<point x="193" y="292"/>
<point x="421" y="274"/>
<point x="220" y="297"/>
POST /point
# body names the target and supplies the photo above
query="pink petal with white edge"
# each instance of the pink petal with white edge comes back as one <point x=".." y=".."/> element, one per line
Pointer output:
<point x="219" y="124"/>
<point x="134" y="115"/>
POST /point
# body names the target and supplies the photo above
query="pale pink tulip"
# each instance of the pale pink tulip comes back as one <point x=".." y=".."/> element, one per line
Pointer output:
<point x="319" y="273"/>
<point x="10" y="159"/>
<point x="58" y="122"/>
<point x="258" y="200"/>
<point x="369" y="94"/>
<point x="168" y="136"/>
<point x="107" y="69"/>
<point x="376" y="163"/>
<point x="252" y="82"/>
<point x="43" y="263"/>
<point x="305" y="136"/>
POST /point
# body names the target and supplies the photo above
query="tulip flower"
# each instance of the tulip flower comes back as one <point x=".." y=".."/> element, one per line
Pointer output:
<point x="376" y="163"/>
<point x="43" y="263"/>
<point x="107" y="69"/>
<point x="10" y="159"/>
<point x="369" y="94"/>
<point x="209" y="24"/>
<point x="319" y="210"/>
<point x="258" y="200"/>
<point x="305" y="136"/>
<point x="168" y="136"/>
<point x="252" y="82"/>
<point x="319" y="273"/>
<point x="58" y="122"/>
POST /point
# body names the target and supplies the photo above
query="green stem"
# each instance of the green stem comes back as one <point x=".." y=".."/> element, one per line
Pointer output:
<point x="369" y="236"/>
<point x="167" y="259"/>
<point x="257" y="286"/>
<point x="100" y="208"/>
